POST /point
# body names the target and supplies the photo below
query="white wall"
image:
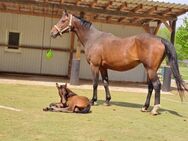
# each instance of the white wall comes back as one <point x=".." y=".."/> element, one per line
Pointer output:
<point x="34" y="31"/>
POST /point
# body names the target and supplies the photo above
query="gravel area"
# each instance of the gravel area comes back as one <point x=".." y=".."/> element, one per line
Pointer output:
<point x="23" y="79"/>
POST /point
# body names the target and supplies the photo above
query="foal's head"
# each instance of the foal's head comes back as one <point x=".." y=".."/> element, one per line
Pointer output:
<point x="62" y="90"/>
<point x="63" y="25"/>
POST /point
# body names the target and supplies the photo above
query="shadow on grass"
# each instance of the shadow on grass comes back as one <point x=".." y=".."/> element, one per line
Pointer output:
<point x="139" y="106"/>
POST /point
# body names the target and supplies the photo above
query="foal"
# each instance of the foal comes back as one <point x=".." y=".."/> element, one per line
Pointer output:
<point x="70" y="102"/>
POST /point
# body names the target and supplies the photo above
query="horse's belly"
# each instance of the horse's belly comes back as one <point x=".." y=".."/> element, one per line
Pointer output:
<point x="120" y="66"/>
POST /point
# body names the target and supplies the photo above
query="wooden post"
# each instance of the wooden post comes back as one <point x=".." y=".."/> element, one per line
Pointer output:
<point x="75" y="70"/>
<point x="78" y="50"/>
<point x="172" y="37"/>
<point x="168" y="26"/>
<point x="72" y="37"/>
<point x="152" y="27"/>
<point x="157" y="28"/>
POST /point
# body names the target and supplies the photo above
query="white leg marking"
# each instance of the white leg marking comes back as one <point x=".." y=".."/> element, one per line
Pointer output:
<point x="155" y="109"/>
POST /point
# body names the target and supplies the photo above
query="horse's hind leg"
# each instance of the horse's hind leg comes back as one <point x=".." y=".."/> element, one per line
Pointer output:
<point x="147" y="103"/>
<point x="104" y="75"/>
<point x="157" y="87"/>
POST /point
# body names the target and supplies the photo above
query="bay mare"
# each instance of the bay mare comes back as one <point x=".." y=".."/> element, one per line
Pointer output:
<point x="105" y="51"/>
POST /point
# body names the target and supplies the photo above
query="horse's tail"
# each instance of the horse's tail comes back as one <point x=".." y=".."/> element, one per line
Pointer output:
<point x="84" y="110"/>
<point x="173" y="62"/>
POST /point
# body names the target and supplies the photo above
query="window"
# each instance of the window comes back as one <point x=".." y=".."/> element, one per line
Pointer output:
<point x="13" y="40"/>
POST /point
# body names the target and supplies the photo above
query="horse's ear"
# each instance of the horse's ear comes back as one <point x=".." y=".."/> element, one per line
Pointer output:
<point x="65" y="85"/>
<point x="57" y="85"/>
<point x="65" y="12"/>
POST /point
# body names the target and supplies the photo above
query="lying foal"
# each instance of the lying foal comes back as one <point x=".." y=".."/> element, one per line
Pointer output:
<point x="70" y="102"/>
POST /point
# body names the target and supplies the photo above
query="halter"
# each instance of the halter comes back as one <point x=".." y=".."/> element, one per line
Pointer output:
<point x="64" y="29"/>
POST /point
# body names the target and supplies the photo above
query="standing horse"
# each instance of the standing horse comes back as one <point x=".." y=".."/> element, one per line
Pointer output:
<point x="105" y="51"/>
<point x="69" y="102"/>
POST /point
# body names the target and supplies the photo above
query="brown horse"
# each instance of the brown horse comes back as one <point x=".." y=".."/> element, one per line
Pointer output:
<point x="69" y="102"/>
<point x="105" y="51"/>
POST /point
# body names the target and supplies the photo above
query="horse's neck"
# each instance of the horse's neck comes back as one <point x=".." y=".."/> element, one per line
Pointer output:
<point x="70" y="93"/>
<point x="86" y="34"/>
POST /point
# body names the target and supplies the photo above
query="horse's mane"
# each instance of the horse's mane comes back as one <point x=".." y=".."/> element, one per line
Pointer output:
<point x="84" y="22"/>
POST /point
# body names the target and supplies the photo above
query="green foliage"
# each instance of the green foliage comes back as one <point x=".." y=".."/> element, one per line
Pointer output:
<point x="184" y="72"/>
<point x="181" y="42"/>
<point x="164" y="32"/>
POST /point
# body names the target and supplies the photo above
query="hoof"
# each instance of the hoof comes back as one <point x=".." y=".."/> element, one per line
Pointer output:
<point x="107" y="103"/>
<point x="92" y="103"/>
<point x="47" y="109"/>
<point x="144" y="109"/>
<point x="52" y="105"/>
<point x="154" y="113"/>
<point x="155" y="109"/>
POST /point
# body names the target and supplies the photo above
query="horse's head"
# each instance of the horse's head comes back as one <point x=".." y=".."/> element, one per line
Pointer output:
<point x="62" y="90"/>
<point x="63" y="25"/>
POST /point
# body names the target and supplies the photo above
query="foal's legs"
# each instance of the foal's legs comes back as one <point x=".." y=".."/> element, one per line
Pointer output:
<point x="104" y="75"/>
<point x="58" y="105"/>
<point x="95" y="73"/>
<point x="65" y="110"/>
<point x="147" y="103"/>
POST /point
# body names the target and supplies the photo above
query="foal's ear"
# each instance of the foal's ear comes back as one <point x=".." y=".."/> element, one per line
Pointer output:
<point x="57" y="85"/>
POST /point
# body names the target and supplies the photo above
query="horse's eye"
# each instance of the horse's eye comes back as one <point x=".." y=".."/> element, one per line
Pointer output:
<point x="63" y="20"/>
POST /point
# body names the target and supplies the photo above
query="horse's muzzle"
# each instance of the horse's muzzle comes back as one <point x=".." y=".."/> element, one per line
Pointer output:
<point x="53" y="35"/>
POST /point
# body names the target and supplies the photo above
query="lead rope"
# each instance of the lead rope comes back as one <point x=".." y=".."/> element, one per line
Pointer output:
<point x="49" y="53"/>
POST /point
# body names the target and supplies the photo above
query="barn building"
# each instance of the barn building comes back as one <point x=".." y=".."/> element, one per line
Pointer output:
<point x="25" y="32"/>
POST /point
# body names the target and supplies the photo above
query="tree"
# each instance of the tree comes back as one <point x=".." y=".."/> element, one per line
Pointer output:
<point x="182" y="40"/>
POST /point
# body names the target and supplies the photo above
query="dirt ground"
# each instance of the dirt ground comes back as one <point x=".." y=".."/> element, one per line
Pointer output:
<point x="7" y="78"/>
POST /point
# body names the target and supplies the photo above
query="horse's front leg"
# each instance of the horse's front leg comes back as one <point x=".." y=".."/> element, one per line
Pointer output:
<point x="95" y="74"/>
<point x="58" y="105"/>
<point x="104" y="75"/>
<point x="52" y="105"/>
<point x="64" y="110"/>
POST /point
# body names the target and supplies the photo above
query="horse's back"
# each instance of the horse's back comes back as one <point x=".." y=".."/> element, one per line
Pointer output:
<point x="80" y="101"/>
<point x="114" y="52"/>
<point x="121" y="54"/>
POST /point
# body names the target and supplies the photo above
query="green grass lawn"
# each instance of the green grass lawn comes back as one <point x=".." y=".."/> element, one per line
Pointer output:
<point x="184" y="72"/>
<point x="122" y="121"/>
